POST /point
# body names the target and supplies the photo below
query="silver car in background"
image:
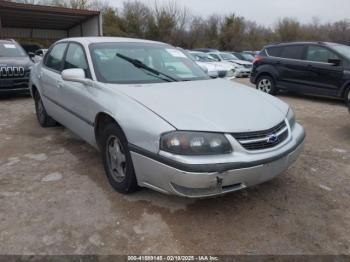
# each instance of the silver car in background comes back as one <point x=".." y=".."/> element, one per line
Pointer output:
<point x="160" y="121"/>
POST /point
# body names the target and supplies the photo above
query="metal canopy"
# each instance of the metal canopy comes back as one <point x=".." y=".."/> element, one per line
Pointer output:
<point x="15" y="15"/>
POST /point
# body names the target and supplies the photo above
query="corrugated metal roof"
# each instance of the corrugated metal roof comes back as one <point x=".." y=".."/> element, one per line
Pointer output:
<point x="42" y="17"/>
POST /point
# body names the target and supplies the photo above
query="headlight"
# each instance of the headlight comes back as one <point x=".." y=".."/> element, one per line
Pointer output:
<point x="195" y="143"/>
<point x="291" y="118"/>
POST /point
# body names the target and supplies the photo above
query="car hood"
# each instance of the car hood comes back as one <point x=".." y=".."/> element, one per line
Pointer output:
<point x="209" y="105"/>
<point x="15" y="61"/>
<point x="216" y="66"/>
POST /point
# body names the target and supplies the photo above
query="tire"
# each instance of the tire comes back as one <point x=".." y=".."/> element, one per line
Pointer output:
<point x="43" y="118"/>
<point x="267" y="85"/>
<point x="117" y="160"/>
<point x="347" y="97"/>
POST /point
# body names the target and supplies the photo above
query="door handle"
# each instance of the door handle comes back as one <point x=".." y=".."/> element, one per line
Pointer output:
<point x="40" y="75"/>
<point x="59" y="84"/>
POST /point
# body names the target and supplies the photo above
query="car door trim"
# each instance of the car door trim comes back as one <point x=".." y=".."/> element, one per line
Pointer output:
<point x="70" y="111"/>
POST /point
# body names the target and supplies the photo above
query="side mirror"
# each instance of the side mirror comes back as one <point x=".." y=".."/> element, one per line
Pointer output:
<point x="334" y="62"/>
<point x="75" y="75"/>
<point x="31" y="54"/>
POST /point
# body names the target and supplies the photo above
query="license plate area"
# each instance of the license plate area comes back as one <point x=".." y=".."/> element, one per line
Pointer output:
<point x="6" y="83"/>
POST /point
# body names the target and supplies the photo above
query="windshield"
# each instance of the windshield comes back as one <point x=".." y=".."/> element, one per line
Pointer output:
<point x="343" y="50"/>
<point x="248" y="57"/>
<point x="9" y="49"/>
<point x="226" y="56"/>
<point x="202" y="58"/>
<point x="168" y="60"/>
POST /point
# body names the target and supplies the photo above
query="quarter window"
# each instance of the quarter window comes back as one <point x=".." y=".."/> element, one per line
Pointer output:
<point x="274" y="51"/>
<point x="55" y="57"/>
<point x="293" y="52"/>
<point x="320" y="54"/>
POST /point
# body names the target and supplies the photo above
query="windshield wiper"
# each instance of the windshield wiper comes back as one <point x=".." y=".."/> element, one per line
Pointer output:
<point x="139" y="64"/>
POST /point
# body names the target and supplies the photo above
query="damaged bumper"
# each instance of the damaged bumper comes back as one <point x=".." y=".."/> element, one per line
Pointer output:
<point x="219" y="179"/>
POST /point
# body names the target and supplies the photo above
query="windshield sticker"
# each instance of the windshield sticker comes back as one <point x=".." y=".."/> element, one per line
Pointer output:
<point x="176" y="53"/>
<point x="11" y="46"/>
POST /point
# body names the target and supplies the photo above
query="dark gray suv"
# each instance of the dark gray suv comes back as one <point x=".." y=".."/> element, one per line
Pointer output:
<point x="307" y="67"/>
<point x="15" y="66"/>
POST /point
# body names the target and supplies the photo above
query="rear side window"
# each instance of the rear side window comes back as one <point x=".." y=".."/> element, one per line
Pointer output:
<point x="274" y="51"/>
<point x="55" y="58"/>
<point x="293" y="52"/>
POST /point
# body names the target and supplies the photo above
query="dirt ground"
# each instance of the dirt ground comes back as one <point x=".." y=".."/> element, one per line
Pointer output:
<point x="55" y="198"/>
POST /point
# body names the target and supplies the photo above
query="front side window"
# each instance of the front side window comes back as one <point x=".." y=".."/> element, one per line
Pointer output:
<point x="55" y="57"/>
<point x="320" y="54"/>
<point x="110" y="68"/>
<point x="75" y="58"/>
<point x="9" y="49"/>
<point x="292" y="52"/>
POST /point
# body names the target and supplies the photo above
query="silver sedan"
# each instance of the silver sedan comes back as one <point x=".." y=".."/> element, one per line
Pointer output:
<point x="160" y="121"/>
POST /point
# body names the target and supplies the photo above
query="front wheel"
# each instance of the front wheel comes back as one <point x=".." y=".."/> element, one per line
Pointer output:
<point x="347" y="97"/>
<point x="117" y="160"/>
<point x="267" y="85"/>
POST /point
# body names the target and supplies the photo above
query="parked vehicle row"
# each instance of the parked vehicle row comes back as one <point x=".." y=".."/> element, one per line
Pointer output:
<point x="160" y="121"/>
<point x="212" y="66"/>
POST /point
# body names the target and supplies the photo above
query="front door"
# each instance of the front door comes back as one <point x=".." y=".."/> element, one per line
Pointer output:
<point x="324" y="76"/>
<point x="77" y="97"/>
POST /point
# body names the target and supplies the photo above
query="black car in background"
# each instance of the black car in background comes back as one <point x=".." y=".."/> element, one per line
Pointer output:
<point x="307" y="67"/>
<point x="15" y="66"/>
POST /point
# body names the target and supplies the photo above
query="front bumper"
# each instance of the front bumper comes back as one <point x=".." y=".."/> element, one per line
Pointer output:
<point x="14" y="86"/>
<point x="243" y="72"/>
<point x="194" y="184"/>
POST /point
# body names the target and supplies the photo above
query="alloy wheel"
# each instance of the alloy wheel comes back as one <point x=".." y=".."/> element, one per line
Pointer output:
<point x="116" y="159"/>
<point x="265" y="85"/>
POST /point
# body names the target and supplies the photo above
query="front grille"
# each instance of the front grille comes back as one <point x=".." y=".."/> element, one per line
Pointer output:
<point x="261" y="140"/>
<point x="12" y="71"/>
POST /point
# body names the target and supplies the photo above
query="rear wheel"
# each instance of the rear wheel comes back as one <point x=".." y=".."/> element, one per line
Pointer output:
<point x="347" y="97"/>
<point x="43" y="118"/>
<point x="266" y="84"/>
<point x="117" y="160"/>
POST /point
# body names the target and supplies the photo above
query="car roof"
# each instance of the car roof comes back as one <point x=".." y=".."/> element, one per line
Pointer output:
<point x="301" y="43"/>
<point x="90" y="40"/>
<point x="6" y="41"/>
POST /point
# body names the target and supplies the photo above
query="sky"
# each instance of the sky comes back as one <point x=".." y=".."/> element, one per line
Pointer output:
<point x="266" y="12"/>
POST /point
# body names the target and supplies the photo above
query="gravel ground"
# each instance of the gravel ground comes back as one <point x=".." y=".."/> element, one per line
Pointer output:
<point x="55" y="198"/>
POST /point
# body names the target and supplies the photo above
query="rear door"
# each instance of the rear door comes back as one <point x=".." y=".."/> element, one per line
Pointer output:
<point x="291" y="68"/>
<point x="323" y="77"/>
